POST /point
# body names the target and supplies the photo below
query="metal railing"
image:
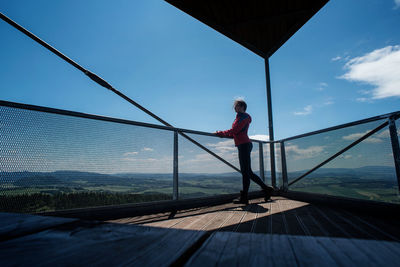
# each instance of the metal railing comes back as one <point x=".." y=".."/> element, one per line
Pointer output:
<point x="283" y="147"/>
<point x="388" y="131"/>
<point x="11" y="118"/>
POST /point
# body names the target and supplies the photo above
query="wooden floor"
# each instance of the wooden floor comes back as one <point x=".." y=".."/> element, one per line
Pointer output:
<point x="278" y="216"/>
<point x="281" y="232"/>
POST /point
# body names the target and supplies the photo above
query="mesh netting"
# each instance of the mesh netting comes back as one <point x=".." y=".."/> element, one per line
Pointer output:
<point x="366" y="171"/>
<point x="201" y="174"/>
<point x="278" y="165"/>
<point x="53" y="162"/>
<point x="267" y="164"/>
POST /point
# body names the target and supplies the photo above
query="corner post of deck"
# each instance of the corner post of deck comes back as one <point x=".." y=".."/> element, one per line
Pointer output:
<point x="270" y="124"/>
<point x="284" y="167"/>
<point x="175" y="195"/>
<point x="395" y="147"/>
<point x="261" y="157"/>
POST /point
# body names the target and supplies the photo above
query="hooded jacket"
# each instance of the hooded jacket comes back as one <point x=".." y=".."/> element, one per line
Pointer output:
<point x="239" y="129"/>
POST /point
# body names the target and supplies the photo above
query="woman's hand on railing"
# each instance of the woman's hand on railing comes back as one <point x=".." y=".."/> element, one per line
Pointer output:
<point x="219" y="134"/>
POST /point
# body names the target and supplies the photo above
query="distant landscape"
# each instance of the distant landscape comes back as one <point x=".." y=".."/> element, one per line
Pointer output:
<point x="377" y="183"/>
<point x="39" y="191"/>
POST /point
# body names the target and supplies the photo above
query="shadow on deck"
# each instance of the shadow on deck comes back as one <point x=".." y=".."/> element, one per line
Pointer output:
<point x="278" y="216"/>
<point x="281" y="232"/>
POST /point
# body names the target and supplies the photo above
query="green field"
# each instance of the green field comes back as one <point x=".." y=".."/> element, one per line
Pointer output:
<point x="36" y="192"/>
<point x="376" y="190"/>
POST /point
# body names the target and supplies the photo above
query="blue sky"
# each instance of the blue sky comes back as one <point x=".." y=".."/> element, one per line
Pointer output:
<point x="189" y="74"/>
<point x="343" y="65"/>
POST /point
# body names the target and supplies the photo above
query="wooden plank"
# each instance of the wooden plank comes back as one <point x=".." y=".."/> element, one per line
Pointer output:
<point x="249" y="219"/>
<point x="16" y="224"/>
<point x="366" y="252"/>
<point x="263" y="218"/>
<point x="196" y="218"/>
<point x="239" y="249"/>
<point x="99" y="244"/>
<point x="360" y="228"/>
<point x="309" y="253"/>
<point x="203" y="219"/>
<point x="142" y="219"/>
<point x="332" y="229"/>
<point x="220" y="221"/>
<point x="294" y="224"/>
<point x="278" y="220"/>
<point x="376" y="226"/>
<point x="350" y="228"/>
<point x="234" y="218"/>
<point x="314" y="227"/>
<point x="167" y="223"/>
<point x="200" y="221"/>
<point x="281" y="250"/>
<point x="342" y="257"/>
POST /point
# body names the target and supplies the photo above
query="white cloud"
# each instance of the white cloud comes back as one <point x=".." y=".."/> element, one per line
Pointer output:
<point x="127" y="154"/>
<point x="147" y="149"/>
<point x="347" y="156"/>
<point x="303" y="153"/>
<point x="379" y="68"/>
<point x="148" y="160"/>
<point x="374" y="139"/>
<point x="261" y="137"/>
<point x="396" y="4"/>
<point x="384" y="134"/>
<point x="223" y="146"/>
<point x="322" y="86"/>
<point x="364" y="92"/>
<point x="329" y="102"/>
<point x="362" y="99"/>
<point x="336" y="58"/>
<point x="306" y="111"/>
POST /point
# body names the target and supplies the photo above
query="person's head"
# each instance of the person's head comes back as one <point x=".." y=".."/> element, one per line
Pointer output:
<point x="239" y="105"/>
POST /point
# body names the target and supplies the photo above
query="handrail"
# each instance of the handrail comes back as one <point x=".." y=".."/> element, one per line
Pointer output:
<point x="395" y="114"/>
<point x="110" y="119"/>
<point x="104" y="83"/>
<point x="380" y="127"/>
<point x="181" y="131"/>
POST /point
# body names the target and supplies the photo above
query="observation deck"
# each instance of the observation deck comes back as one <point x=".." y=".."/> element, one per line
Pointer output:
<point x="81" y="189"/>
<point x="97" y="216"/>
<point x="280" y="232"/>
<point x="317" y="216"/>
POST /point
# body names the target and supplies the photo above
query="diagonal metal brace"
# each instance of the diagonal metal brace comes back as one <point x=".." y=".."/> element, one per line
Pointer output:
<point x="105" y="84"/>
<point x="395" y="147"/>
<point x="380" y="127"/>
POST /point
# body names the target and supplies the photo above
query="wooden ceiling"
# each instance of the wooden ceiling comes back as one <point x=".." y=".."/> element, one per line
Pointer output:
<point x="259" y="25"/>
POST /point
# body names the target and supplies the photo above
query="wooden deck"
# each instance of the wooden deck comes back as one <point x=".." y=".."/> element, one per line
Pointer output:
<point x="278" y="216"/>
<point x="281" y="232"/>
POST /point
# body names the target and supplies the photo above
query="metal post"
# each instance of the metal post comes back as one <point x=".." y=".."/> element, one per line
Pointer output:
<point x="395" y="147"/>
<point x="261" y="157"/>
<point x="175" y="195"/>
<point x="270" y="124"/>
<point x="284" y="167"/>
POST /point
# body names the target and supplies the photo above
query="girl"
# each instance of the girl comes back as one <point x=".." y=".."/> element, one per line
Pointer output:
<point x="244" y="145"/>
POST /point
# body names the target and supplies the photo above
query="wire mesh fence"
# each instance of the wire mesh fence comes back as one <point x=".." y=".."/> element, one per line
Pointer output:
<point x="201" y="174"/>
<point x="52" y="162"/>
<point x="365" y="171"/>
<point x="55" y="160"/>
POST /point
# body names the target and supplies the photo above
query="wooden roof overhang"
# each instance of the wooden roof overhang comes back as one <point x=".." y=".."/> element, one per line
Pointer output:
<point x="262" y="26"/>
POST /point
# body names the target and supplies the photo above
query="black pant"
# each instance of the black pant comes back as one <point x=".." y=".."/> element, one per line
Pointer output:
<point x="245" y="167"/>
